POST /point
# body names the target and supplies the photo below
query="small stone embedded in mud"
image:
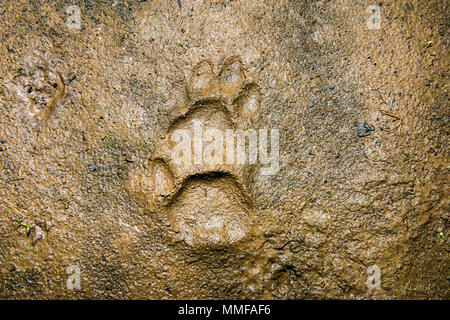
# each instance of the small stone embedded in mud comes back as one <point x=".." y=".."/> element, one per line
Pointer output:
<point x="274" y="202"/>
<point x="364" y="129"/>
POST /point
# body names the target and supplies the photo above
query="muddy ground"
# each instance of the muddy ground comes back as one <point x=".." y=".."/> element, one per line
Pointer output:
<point x="362" y="114"/>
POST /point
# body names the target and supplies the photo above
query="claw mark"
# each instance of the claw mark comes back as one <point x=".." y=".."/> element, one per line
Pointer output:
<point x="45" y="115"/>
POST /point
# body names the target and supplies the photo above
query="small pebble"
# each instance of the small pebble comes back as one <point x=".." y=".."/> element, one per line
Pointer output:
<point x="364" y="129"/>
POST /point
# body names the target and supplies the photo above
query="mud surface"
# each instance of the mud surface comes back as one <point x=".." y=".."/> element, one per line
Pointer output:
<point x="85" y="179"/>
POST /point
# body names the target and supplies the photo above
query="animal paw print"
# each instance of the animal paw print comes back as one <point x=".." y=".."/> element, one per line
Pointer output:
<point x="195" y="176"/>
<point x="39" y="88"/>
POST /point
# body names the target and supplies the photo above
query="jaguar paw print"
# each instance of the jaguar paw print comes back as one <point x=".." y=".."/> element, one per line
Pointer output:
<point x="198" y="175"/>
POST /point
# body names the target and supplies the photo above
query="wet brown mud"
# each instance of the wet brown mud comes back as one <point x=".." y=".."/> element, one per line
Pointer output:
<point x="85" y="180"/>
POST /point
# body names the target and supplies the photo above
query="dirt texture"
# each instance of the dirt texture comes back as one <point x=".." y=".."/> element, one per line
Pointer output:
<point x="87" y="178"/>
